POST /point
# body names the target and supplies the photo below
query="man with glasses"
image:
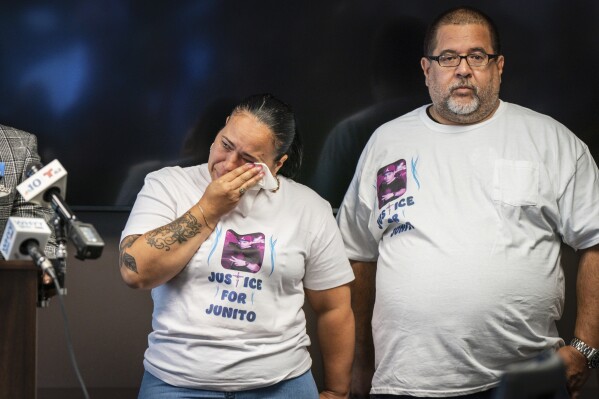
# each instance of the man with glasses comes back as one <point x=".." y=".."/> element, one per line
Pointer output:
<point x="467" y="262"/>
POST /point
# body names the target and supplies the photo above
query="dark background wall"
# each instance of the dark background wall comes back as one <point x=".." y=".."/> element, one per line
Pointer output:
<point x="114" y="89"/>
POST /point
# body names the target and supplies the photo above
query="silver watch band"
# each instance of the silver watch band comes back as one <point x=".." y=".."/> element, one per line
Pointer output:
<point x="589" y="352"/>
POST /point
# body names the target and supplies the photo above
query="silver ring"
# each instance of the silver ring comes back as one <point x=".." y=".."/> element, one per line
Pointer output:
<point x="241" y="191"/>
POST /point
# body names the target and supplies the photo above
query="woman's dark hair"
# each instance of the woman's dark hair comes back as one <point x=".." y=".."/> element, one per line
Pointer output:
<point x="280" y="119"/>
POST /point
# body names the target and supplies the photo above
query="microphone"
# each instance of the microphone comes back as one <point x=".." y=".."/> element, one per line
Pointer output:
<point x="25" y="238"/>
<point x="40" y="180"/>
<point x="45" y="186"/>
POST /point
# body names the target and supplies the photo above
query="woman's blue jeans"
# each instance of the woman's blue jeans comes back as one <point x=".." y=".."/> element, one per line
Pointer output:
<point x="302" y="387"/>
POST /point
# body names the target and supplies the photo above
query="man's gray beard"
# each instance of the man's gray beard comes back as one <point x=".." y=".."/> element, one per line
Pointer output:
<point x="463" y="109"/>
<point x="473" y="111"/>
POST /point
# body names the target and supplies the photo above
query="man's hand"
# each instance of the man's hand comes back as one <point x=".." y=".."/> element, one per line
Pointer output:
<point x="577" y="371"/>
<point x="362" y="380"/>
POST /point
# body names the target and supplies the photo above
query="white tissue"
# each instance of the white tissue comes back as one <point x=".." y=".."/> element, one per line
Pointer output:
<point x="268" y="182"/>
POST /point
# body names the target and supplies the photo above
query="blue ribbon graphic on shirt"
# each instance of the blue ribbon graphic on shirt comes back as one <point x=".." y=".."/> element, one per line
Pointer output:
<point x="414" y="171"/>
<point x="218" y="232"/>
<point x="273" y="255"/>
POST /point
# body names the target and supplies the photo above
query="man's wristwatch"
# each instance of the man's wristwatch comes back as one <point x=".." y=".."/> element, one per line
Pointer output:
<point x="590" y="353"/>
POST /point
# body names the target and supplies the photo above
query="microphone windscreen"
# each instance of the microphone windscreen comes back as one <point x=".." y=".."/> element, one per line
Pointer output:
<point x="20" y="229"/>
<point x="49" y="176"/>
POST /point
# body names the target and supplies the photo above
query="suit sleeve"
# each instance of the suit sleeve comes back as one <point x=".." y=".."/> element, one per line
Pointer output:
<point x="25" y="209"/>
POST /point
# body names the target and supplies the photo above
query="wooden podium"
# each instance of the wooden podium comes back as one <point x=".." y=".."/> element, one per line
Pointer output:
<point x="18" y="329"/>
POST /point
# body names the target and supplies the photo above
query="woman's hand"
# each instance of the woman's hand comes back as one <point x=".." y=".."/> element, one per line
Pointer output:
<point x="332" y="395"/>
<point x="224" y="193"/>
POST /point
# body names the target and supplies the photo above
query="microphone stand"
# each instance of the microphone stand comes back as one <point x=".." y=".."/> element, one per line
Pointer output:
<point x="46" y="291"/>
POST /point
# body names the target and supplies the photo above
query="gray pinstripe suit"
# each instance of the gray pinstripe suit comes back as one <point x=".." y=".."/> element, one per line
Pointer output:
<point x="18" y="149"/>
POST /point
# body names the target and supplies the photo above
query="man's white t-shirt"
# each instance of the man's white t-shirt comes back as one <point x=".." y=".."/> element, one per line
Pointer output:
<point x="468" y="257"/>
<point x="232" y="319"/>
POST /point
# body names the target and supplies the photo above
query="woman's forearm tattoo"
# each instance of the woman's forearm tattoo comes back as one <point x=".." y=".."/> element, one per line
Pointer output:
<point x="178" y="231"/>
<point x="126" y="259"/>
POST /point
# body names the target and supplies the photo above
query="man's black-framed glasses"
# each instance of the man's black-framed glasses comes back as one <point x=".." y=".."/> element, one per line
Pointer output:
<point x="474" y="59"/>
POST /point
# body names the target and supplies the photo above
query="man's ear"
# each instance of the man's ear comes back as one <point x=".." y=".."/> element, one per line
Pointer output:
<point x="425" y="64"/>
<point x="500" y="64"/>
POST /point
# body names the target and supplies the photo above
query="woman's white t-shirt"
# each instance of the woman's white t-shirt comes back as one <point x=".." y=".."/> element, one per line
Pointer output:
<point x="233" y="319"/>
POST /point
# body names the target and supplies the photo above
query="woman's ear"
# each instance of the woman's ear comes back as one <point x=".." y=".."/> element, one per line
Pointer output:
<point x="280" y="163"/>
